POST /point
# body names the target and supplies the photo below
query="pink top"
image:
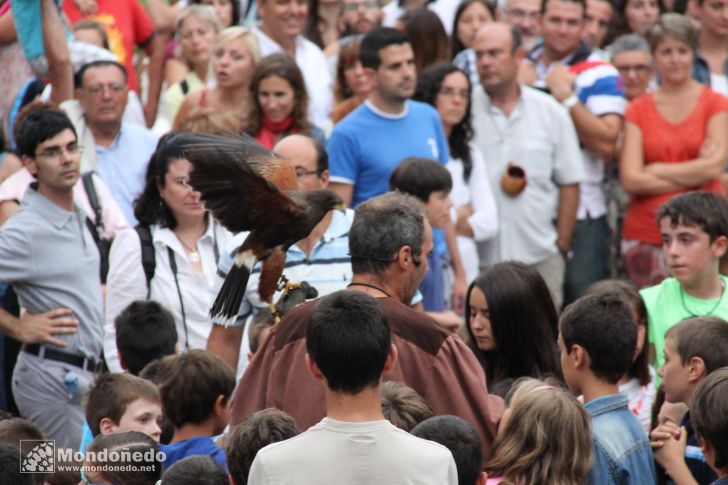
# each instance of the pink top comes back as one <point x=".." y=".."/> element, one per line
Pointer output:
<point x="14" y="187"/>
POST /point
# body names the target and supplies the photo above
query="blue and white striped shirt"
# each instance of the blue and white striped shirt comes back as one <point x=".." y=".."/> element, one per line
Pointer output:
<point x="328" y="268"/>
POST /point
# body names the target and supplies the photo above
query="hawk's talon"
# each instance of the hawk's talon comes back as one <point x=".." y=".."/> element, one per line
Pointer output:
<point x="277" y="314"/>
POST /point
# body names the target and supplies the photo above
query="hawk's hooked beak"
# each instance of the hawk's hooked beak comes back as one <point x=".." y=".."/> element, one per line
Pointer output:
<point x="340" y="207"/>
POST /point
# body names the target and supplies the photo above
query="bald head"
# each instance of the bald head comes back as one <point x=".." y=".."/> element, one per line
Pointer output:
<point x="308" y="157"/>
<point x="500" y="32"/>
<point x="498" y="53"/>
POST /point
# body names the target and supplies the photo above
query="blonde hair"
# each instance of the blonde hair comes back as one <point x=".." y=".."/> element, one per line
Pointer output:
<point x="205" y="13"/>
<point x="546" y="439"/>
<point x="237" y="32"/>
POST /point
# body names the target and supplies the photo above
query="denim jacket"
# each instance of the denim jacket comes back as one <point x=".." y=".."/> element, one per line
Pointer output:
<point x="622" y="453"/>
<point x="701" y="70"/>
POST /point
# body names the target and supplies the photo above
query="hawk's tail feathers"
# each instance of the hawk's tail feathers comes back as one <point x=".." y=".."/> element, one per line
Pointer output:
<point x="227" y="303"/>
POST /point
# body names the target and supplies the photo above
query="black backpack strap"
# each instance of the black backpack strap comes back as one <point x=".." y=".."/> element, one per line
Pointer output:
<point x="93" y="199"/>
<point x="184" y="85"/>
<point x="148" y="259"/>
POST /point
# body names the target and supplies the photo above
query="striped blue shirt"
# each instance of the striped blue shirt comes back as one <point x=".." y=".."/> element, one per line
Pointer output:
<point x="328" y="268"/>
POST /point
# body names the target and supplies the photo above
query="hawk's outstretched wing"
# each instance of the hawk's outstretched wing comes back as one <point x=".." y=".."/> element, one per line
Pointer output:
<point x="236" y="179"/>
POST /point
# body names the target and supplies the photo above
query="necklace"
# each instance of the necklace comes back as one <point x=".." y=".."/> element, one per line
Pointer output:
<point x="194" y="255"/>
<point x="367" y="285"/>
<point x="715" y="307"/>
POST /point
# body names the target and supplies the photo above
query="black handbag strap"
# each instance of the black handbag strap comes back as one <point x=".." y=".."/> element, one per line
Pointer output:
<point x="93" y="199"/>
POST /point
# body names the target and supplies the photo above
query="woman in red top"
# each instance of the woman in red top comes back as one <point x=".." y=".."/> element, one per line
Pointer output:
<point x="280" y="101"/>
<point x="674" y="141"/>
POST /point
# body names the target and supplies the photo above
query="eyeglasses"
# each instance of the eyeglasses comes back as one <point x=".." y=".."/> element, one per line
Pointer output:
<point x="302" y="172"/>
<point x="54" y="153"/>
<point x="640" y="69"/>
<point x="451" y="93"/>
<point x="354" y="6"/>
<point x="114" y="88"/>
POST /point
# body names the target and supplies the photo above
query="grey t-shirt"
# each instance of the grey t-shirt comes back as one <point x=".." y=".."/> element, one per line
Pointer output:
<point x="374" y="452"/>
<point x="50" y="257"/>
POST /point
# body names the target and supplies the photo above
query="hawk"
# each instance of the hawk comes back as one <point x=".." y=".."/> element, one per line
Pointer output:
<point x="249" y="188"/>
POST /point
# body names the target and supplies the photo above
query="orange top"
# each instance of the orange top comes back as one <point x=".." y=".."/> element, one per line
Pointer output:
<point x="663" y="141"/>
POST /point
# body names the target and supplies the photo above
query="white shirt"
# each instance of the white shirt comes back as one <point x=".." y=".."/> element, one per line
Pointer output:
<point x="315" y="69"/>
<point x="477" y="192"/>
<point x="719" y="83"/>
<point x="538" y="136"/>
<point x="127" y="283"/>
<point x="353" y="453"/>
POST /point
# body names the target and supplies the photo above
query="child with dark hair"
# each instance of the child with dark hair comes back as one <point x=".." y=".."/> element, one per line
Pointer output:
<point x="349" y="346"/>
<point x="709" y="413"/>
<point x="195" y="470"/>
<point x="15" y="429"/>
<point x="196" y="388"/>
<point x="431" y="183"/>
<point x="10" y="457"/>
<point x="403" y="406"/>
<point x="694" y="229"/>
<point x="123" y="402"/>
<point x="254" y="433"/>
<point x="638" y="383"/>
<point x="597" y="338"/>
<point x="145" y="331"/>
<point x="458" y="436"/>
<point x="117" y="462"/>
<point x="694" y="348"/>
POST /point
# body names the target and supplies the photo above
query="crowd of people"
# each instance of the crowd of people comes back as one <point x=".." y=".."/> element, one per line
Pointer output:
<point x="527" y="286"/>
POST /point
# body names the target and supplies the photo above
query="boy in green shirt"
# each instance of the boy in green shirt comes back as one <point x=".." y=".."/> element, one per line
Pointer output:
<point x="694" y="229"/>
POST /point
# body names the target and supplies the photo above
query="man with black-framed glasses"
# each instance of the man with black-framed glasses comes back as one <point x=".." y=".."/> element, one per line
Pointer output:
<point x="48" y="253"/>
<point x="630" y="54"/>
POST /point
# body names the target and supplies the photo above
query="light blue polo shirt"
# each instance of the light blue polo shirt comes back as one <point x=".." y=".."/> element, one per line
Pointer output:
<point x="50" y="257"/>
<point x="123" y="165"/>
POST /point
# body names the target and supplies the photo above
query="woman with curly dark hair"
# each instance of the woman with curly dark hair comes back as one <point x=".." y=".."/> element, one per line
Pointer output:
<point x="280" y="101"/>
<point x="448" y="89"/>
<point x="185" y="242"/>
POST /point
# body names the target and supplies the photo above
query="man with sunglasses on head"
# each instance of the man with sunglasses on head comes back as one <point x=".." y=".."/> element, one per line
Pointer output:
<point x="48" y="253"/>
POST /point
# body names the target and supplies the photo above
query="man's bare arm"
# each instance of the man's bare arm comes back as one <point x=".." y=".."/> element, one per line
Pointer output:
<point x="566" y="219"/>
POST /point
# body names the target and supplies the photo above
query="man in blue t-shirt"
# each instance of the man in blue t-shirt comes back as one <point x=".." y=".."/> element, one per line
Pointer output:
<point x="388" y="127"/>
<point x="367" y="145"/>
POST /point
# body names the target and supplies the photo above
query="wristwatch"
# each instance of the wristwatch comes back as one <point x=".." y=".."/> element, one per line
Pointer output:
<point x="570" y="102"/>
